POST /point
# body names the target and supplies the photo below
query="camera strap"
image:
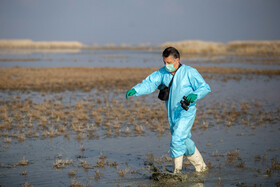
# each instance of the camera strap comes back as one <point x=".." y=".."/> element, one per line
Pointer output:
<point x="173" y="77"/>
<point x="164" y="93"/>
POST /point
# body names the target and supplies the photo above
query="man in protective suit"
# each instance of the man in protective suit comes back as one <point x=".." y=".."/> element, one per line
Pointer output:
<point x="187" y="87"/>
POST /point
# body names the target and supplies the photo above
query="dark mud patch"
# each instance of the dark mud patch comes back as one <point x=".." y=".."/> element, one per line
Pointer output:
<point x="163" y="175"/>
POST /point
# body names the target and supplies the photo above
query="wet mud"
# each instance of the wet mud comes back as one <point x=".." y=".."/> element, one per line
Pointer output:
<point x="166" y="176"/>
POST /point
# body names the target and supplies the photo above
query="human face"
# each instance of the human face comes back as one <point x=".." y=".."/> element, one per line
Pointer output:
<point x="170" y="60"/>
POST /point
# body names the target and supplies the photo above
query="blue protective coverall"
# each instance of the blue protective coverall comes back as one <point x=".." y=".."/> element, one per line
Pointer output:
<point x="187" y="80"/>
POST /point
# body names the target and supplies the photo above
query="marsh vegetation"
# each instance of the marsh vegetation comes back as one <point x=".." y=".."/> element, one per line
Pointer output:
<point x="77" y="127"/>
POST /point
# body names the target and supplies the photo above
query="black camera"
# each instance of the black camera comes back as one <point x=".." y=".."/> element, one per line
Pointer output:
<point x="185" y="103"/>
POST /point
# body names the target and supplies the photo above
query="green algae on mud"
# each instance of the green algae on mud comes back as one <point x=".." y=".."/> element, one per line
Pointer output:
<point x="166" y="176"/>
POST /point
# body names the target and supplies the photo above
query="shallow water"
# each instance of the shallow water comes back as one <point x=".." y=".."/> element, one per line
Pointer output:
<point x="131" y="152"/>
<point x="125" y="58"/>
<point x="255" y="144"/>
<point x="87" y="58"/>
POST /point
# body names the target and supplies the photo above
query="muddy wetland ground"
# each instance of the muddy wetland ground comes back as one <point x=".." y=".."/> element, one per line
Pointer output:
<point x="64" y="120"/>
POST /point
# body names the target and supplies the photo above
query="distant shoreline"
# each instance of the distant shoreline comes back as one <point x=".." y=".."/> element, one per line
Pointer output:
<point x="263" y="47"/>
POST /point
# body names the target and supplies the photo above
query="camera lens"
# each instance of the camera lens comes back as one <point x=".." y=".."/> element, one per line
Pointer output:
<point x="184" y="105"/>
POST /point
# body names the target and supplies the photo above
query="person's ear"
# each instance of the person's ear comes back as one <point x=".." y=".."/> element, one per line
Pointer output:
<point x="177" y="61"/>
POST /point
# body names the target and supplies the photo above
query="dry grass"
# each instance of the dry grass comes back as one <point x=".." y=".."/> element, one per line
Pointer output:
<point x="85" y="164"/>
<point x="113" y="164"/>
<point x="26" y="184"/>
<point x="60" y="79"/>
<point x="97" y="175"/>
<point x="261" y="47"/>
<point x="75" y="183"/>
<point x="19" y="59"/>
<point x="24" y="173"/>
<point x="109" y="118"/>
<point x="254" y="47"/>
<point x="101" y="163"/>
<point x="275" y="164"/>
<point x="196" y="46"/>
<point x="23" y="162"/>
<point x="241" y="164"/>
<point x="39" y="44"/>
<point x="122" y="173"/>
<point x="233" y="156"/>
<point x="72" y="173"/>
<point x="59" y="163"/>
<point x="234" y="47"/>
<point x="209" y="165"/>
<point x="102" y="156"/>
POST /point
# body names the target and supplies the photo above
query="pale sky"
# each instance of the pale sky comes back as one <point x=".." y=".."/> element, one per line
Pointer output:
<point x="139" y="21"/>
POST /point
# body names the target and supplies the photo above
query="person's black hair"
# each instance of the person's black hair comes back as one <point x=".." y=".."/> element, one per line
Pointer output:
<point x="171" y="51"/>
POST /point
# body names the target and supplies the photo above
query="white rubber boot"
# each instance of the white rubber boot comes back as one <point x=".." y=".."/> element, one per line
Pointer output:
<point x="178" y="164"/>
<point x="197" y="161"/>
